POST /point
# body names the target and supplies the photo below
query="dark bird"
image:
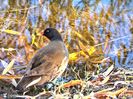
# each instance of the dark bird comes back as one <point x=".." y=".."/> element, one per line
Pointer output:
<point x="48" y="63"/>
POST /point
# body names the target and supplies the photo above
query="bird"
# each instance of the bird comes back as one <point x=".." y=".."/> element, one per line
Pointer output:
<point x="48" y="63"/>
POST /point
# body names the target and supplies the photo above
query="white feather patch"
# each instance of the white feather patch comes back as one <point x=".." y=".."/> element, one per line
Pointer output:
<point x="33" y="82"/>
<point x="63" y="66"/>
<point x="14" y="82"/>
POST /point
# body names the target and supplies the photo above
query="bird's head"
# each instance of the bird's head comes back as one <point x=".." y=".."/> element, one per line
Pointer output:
<point x="52" y="34"/>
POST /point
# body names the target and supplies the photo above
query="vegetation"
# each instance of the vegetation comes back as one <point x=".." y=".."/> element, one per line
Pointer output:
<point x="99" y="37"/>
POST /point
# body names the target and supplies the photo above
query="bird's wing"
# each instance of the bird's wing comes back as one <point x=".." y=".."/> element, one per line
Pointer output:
<point x="45" y="65"/>
<point x="46" y="60"/>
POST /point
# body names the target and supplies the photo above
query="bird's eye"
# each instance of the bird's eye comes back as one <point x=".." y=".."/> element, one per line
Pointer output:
<point x="47" y="31"/>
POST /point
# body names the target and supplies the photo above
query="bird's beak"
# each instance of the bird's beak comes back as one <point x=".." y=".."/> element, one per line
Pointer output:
<point x="41" y="33"/>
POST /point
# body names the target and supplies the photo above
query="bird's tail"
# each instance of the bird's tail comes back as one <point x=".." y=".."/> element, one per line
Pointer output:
<point x="22" y="84"/>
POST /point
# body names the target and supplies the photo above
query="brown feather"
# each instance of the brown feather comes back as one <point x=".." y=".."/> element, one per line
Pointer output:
<point x="45" y="63"/>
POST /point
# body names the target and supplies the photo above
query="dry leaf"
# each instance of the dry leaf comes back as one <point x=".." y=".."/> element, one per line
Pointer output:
<point x="106" y="79"/>
<point x="8" y="68"/>
<point x="91" y="50"/>
<point x="72" y="83"/>
<point x="108" y="71"/>
<point x="11" y="32"/>
<point x="10" y="77"/>
<point x="73" y="56"/>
